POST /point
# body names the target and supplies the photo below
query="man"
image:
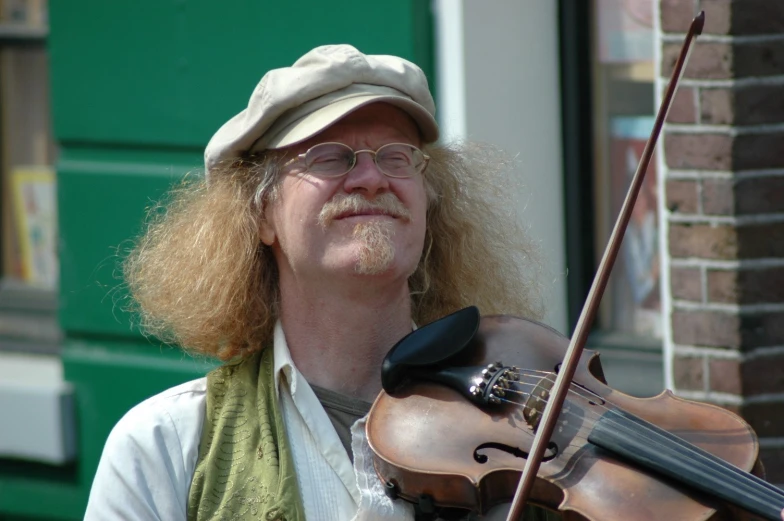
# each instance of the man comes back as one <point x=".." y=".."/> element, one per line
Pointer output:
<point x="328" y="224"/>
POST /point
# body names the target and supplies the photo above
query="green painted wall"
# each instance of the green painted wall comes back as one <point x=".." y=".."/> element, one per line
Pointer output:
<point x="137" y="90"/>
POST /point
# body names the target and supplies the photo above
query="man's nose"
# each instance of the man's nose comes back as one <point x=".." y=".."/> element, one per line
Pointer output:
<point x="366" y="177"/>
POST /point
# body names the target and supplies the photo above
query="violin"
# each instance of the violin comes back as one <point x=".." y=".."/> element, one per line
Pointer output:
<point x="480" y="411"/>
<point x="611" y="456"/>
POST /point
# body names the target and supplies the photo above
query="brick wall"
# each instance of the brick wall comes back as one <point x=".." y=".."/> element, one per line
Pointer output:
<point x="723" y="163"/>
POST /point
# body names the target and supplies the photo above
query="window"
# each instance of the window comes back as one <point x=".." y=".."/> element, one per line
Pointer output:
<point x="608" y="100"/>
<point x="623" y="119"/>
<point x="28" y="245"/>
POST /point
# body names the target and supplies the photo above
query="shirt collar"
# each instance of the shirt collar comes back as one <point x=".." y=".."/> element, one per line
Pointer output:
<point x="283" y="365"/>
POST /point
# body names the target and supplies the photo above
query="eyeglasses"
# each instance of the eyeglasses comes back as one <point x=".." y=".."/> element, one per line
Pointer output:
<point x="398" y="160"/>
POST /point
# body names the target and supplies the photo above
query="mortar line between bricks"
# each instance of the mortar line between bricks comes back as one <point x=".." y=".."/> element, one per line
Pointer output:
<point x="691" y="175"/>
<point x="684" y="305"/>
<point x="675" y="173"/>
<point x="729" y="130"/>
<point x="719" y="353"/>
<point x="720" y="38"/>
<point x="731" y="399"/>
<point x="695" y="262"/>
<point x="750" y="81"/>
<point x="736" y="220"/>
<point x="712" y="352"/>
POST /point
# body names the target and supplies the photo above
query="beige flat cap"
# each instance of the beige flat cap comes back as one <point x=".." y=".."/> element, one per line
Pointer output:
<point x="291" y="104"/>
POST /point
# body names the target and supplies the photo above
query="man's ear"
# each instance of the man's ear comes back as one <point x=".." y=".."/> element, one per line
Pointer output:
<point x="266" y="232"/>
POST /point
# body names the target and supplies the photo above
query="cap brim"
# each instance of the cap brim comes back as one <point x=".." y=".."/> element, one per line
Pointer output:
<point x="313" y="123"/>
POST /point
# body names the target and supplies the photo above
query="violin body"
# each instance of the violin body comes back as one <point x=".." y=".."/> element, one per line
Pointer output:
<point x="429" y="440"/>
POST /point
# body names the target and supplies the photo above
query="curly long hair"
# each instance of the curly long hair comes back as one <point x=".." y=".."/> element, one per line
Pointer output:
<point x="201" y="278"/>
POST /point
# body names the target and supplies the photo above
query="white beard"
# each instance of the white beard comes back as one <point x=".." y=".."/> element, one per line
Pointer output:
<point x="376" y="250"/>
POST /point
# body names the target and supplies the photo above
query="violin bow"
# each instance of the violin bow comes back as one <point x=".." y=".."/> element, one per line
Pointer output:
<point x="569" y="365"/>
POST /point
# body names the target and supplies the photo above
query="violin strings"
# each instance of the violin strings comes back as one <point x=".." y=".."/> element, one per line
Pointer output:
<point x="577" y="435"/>
<point x="588" y="420"/>
<point x="592" y="417"/>
<point x="738" y="477"/>
<point x="573" y="389"/>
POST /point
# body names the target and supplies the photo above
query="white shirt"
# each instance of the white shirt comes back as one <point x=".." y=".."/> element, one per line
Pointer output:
<point x="147" y="465"/>
<point x="330" y="487"/>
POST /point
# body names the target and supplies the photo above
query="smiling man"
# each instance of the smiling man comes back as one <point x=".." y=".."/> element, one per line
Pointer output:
<point x="328" y="224"/>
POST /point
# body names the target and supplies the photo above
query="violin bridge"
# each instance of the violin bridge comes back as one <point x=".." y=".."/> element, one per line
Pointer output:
<point x="533" y="409"/>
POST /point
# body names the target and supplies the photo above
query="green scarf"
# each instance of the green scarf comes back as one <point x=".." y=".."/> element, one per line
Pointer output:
<point x="245" y="469"/>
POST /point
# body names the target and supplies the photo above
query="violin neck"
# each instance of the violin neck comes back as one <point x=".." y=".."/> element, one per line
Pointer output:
<point x="654" y="448"/>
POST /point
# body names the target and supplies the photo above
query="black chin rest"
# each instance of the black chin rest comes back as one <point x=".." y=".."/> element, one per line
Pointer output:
<point x="429" y="345"/>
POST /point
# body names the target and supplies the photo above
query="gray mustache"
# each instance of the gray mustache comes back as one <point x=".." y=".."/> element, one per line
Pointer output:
<point x="355" y="203"/>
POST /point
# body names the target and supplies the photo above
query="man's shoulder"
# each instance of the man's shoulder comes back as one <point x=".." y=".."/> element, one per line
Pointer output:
<point x="174" y="414"/>
<point x="191" y="389"/>
<point x="149" y="458"/>
<point x="174" y="399"/>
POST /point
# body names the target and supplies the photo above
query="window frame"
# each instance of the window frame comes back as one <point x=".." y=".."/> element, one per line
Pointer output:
<point x="634" y="362"/>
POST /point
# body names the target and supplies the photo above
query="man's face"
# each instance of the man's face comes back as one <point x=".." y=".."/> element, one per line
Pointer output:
<point x="313" y="235"/>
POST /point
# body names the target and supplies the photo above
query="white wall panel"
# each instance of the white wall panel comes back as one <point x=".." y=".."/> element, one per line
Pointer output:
<point x="506" y="53"/>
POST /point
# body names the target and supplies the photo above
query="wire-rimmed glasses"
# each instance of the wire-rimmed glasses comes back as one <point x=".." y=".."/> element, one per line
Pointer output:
<point x="398" y="160"/>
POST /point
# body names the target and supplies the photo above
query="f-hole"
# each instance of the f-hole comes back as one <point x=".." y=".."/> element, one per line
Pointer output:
<point x="593" y="398"/>
<point x="550" y="452"/>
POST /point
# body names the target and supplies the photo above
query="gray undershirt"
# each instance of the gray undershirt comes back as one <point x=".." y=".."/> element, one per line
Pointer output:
<point x="342" y="411"/>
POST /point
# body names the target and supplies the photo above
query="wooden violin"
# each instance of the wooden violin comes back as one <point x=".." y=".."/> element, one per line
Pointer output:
<point x="611" y="456"/>
<point x="477" y="412"/>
